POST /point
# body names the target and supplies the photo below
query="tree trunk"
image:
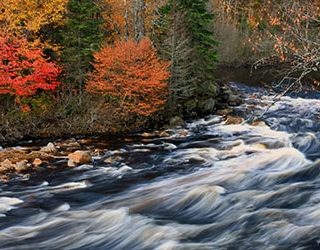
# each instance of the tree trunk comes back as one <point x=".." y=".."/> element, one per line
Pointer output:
<point x="126" y="19"/>
<point x="138" y="9"/>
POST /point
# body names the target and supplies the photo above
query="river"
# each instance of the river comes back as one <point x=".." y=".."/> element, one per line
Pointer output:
<point x="214" y="186"/>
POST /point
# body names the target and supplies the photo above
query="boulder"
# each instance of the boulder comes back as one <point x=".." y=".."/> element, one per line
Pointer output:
<point x="113" y="159"/>
<point x="71" y="163"/>
<point x="234" y="100"/>
<point x="50" y="148"/>
<point x="146" y="134"/>
<point x="259" y="146"/>
<point x="234" y="120"/>
<point x="6" y="165"/>
<point x="124" y="169"/>
<point x="164" y="134"/>
<point x="37" y="162"/>
<point x="183" y="133"/>
<point x="224" y="112"/>
<point x="79" y="157"/>
<point x="72" y="143"/>
<point x="177" y="121"/>
<point x="21" y="166"/>
<point x="258" y="123"/>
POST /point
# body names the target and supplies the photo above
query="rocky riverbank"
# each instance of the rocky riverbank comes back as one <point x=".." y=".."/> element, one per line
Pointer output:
<point x="27" y="160"/>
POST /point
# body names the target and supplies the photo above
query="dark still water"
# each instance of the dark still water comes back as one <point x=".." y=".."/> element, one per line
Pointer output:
<point x="212" y="186"/>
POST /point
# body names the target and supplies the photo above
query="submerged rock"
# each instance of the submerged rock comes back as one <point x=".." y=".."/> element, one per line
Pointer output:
<point x="113" y="159"/>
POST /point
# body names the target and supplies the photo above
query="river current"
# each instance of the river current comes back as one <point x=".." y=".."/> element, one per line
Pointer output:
<point x="210" y="186"/>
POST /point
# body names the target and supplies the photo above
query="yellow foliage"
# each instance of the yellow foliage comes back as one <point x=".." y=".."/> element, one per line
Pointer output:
<point x="29" y="16"/>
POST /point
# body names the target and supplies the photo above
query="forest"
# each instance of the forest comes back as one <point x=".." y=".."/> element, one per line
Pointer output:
<point x="102" y="66"/>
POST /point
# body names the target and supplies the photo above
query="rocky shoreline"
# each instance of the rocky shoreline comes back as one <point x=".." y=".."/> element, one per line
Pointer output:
<point x="27" y="160"/>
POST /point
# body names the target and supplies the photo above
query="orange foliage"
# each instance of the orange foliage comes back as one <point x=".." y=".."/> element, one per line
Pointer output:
<point x="116" y="19"/>
<point x="131" y="73"/>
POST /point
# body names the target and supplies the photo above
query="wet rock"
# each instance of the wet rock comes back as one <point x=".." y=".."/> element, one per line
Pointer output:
<point x="124" y="169"/>
<point x="21" y="166"/>
<point x="164" y="134"/>
<point x="4" y="178"/>
<point x="71" y="163"/>
<point x="224" y="112"/>
<point x="234" y="99"/>
<point x="97" y="152"/>
<point x="258" y="123"/>
<point x="71" y="143"/>
<point x="119" y="151"/>
<point x="79" y="157"/>
<point x="234" y="120"/>
<point x="177" y="121"/>
<point x="147" y="134"/>
<point x="113" y="159"/>
<point x="6" y="165"/>
<point x="183" y="133"/>
<point x="50" y="148"/>
<point x="38" y="154"/>
<point x="169" y="146"/>
<point x="37" y="162"/>
<point x="259" y="146"/>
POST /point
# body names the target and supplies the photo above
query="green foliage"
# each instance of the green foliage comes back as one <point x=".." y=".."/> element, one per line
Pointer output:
<point x="183" y="37"/>
<point x="81" y="35"/>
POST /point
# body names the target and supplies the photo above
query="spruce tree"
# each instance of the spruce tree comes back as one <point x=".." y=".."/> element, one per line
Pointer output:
<point x="183" y="37"/>
<point x="81" y="35"/>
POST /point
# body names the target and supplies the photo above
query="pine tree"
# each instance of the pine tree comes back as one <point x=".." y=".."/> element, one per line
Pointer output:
<point x="184" y="38"/>
<point x="80" y="37"/>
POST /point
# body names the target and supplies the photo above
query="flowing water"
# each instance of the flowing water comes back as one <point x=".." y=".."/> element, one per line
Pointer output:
<point x="214" y="186"/>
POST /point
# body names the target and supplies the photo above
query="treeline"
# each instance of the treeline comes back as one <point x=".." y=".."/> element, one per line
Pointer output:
<point x="85" y="66"/>
<point x="104" y="65"/>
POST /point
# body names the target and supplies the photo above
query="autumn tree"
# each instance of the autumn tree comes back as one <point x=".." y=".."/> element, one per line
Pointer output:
<point x="131" y="74"/>
<point x="23" y="69"/>
<point x="293" y="29"/>
<point x="183" y="37"/>
<point x="29" y="18"/>
<point x="132" y="18"/>
<point x="280" y="32"/>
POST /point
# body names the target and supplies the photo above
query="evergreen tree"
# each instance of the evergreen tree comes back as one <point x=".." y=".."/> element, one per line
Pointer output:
<point x="81" y="35"/>
<point x="183" y="37"/>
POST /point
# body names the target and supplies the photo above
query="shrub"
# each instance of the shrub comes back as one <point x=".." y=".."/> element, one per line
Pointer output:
<point x="131" y="74"/>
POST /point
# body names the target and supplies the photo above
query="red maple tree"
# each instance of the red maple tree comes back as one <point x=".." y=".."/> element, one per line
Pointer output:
<point x="132" y="74"/>
<point x="23" y="69"/>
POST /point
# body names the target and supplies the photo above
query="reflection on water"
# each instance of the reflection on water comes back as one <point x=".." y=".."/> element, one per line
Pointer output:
<point x="216" y="187"/>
